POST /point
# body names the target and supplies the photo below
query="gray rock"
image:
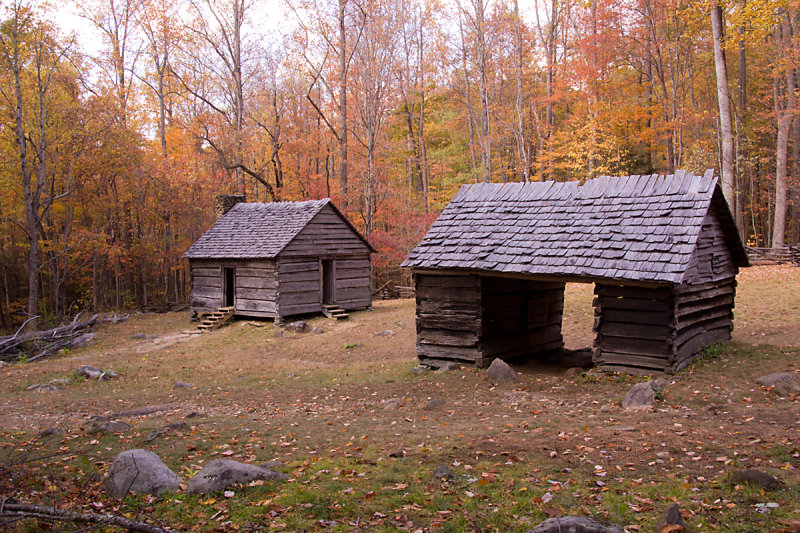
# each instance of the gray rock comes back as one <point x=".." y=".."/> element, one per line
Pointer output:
<point x="574" y="524"/>
<point x="391" y="403"/>
<point x="182" y="385"/>
<point x="500" y="372"/>
<point x="222" y="473"/>
<point x="671" y="519"/>
<point x="299" y="326"/>
<point x="756" y="478"/>
<point x="317" y="330"/>
<point x="193" y="414"/>
<point x="385" y="333"/>
<point x="419" y="369"/>
<point x="443" y="471"/>
<point x="107" y="375"/>
<point x="449" y="366"/>
<point x="434" y="404"/>
<point x="280" y="334"/>
<point x="43" y="387"/>
<point x="112" y="426"/>
<point x="50" y="432"/>
<point x="659" y="384"/>
<point x="81" y="340"/>
<point x="640" y="396"/>
<point x="784" y="389"/>
<point x="770" y="380"/>
<point x="397" y="453"/>
<point x="88" y="371"/>
<point x="140" y="471"/>
<point x="574" y="372"/>
<point x="143" y="337"/>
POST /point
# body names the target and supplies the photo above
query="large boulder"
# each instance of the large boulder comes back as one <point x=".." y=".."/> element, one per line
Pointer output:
<point x="140" y="471"/>
<point x="770" y="380"/>
<point x="574" y="524"/>
<point x="640" y="396"/>
<point x="500" y="372"/>
<point x="220" y="474"/>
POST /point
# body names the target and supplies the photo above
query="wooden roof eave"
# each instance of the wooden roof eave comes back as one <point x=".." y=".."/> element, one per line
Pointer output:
<point x="566" y="278"/>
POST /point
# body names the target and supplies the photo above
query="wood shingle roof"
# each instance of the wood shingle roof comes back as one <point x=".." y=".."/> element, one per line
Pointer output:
<point x="634" y="228"/>
<point x="258" y="230"/>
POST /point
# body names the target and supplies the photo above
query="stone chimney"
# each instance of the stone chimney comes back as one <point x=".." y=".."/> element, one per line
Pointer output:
<point x="224" y="202"/>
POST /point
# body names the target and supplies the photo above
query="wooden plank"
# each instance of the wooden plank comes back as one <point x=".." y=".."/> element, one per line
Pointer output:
<point x="636" y="317"/>
<point x="353" y="283"/>
<point x="256" y="282"/>
<point x="299" y="286"/>
<point x="207" y="292"/>
<point x="636" y="331"/>
<point x="686" y="334"/>
<point x="634" y="346"/>
<point x="300" y="276"/>
<point x="255" y="294"/>
<point x="285" y="267"/>
<point x="634" y="304"/>
<point x="206" y="271"/>
<point x="446" y="337"/>
<point x="448" y="352"/>
<point x="452" y="322"/>
<point x="453" y="294"/>
<point x="698" y="342"/>
<point x="245" y="304"/>
<point x="255" y="272"/>
<point x="626" y="291"/>
<point x="427" y="307"/>
<point x="689" y="307"/>
<point x="299" y="308"/>
<point x="202" y="301"/>
<point x="603" y="357"/>
<point x="207" y="281"/>
<point x="353" y="293"/>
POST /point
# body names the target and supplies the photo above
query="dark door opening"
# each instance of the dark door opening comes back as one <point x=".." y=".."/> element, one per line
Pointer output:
<point x="328" y="296"/>
<point x="230" y="287"/>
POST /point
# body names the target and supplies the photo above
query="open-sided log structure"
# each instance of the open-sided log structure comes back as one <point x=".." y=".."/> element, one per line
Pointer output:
<point x="663" y="252"/>
<point x="280" y="259"/>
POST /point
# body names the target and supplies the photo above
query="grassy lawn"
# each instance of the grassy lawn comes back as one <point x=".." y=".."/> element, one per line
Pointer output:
<point x="316" y="402"/>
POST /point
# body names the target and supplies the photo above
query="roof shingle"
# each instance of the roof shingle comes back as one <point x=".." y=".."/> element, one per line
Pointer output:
<point x="635" y="228"/>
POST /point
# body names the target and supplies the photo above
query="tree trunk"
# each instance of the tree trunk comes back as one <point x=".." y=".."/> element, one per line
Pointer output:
<point x="342" y="107"/>
<point x="522" y="149"/>
<point x="723" y="100"/>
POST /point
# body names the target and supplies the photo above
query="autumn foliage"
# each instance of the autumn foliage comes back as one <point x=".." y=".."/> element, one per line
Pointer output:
<point x="386" y="106"/>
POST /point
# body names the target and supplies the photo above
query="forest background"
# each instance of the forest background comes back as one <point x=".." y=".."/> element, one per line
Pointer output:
<point x="111" y="154"/>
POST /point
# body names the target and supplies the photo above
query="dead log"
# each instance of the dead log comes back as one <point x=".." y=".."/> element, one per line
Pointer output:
<point x="37" y="344"/>
<point x="11" y="512"/>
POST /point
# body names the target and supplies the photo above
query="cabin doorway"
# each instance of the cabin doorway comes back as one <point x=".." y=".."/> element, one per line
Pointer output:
<point x="327" y="282"/>
<point x="228" y="275"/>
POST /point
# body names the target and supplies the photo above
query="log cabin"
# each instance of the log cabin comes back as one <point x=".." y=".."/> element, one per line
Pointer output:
<point x="280" y="259"/>
<point x="662" y="251"/>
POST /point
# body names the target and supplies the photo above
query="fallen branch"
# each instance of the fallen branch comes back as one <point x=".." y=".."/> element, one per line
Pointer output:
<point x="37" y="344"/>
<point x="17" y="511"/>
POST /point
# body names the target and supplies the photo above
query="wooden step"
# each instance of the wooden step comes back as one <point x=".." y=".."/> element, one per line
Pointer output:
<point x="216" y="318"/>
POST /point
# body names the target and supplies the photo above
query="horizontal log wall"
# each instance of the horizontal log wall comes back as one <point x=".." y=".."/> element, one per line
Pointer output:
<point x="634" y="327"/>
<point x="704" y="315"/>
<point x="299" y="286"/>
<point x="353" y="282"/>
<point x="256" y="288"/>
<point x="712" y="259"/>
<point x="254" y="280"/>
<point x="448" y="318"/>
<point x="520" y="317"/>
